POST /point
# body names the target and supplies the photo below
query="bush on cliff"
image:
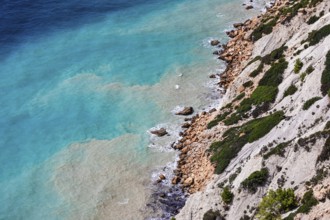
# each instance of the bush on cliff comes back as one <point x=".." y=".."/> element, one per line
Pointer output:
<point x="310" y="102"/>
<point x="274" y="76"/>
<point x="325" y="153"/>
<point x="325" y="79"/>
<point x="316" y="36"/>
<point x="235" y="138"/>
<point x="278" y="150"/>
<point x="276" y="203"/>
<point x="217" y="119"/>
<point x="255" y="180"/>
<point x="257" y="71"/>
<point x="264" y="94"/>
<point x="290" y="91"/>
<point x="263" y="28"/>
<point x="297" y="66"/>
<point x="227" y="196"/>
<point x="307" y="203"/>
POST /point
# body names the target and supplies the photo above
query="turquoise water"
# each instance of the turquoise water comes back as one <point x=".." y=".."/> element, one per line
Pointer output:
<point x="78" y="97"/>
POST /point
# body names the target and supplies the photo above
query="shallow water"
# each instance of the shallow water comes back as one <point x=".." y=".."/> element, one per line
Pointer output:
<point x="81" y="84"/>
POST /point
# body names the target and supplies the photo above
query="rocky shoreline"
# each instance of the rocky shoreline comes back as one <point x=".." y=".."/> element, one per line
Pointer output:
<point x="250" y="62"/>
<point x="194" y="169"/>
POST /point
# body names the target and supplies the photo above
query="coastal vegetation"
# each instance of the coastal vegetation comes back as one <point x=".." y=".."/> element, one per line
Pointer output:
<point x="226" y="195"/>
<point x="217" y="119"/>
<point x="248" y="84"/>
<point x="239" y="97"/>
<point x="257" y="71"/>
<point x="325" y="79"/>
<point x="316" y="36"/>
<point x="315" y="18"/>
<point x="263" y="28"/>
<point x="297" y="66"/>
<point x="276" y="203"/>
<point x="310" y="102"/>
<point x="255" y="180"/>
<point x="290" y="91"/>
<point x="235" y="138"/>
<point x="325" y="153"/>
<point x="278" y="150"/>
<point x="307" y="203"/>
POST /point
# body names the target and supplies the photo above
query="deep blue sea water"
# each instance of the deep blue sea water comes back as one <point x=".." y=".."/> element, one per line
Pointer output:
<point x="81" y="83"/>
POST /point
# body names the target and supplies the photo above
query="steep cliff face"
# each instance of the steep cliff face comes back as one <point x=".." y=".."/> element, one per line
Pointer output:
<point x="272" y="131"/>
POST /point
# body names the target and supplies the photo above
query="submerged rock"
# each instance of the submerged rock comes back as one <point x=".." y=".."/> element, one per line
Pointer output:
<point x="186" y="111"/>
<point x="186" y="125"/>
<point x="237" y="25"/>
<point x="160" y="133"/>
<point x="214" y="42"/>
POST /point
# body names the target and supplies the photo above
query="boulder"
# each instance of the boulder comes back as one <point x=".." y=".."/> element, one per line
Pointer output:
<point x="186" y="125"/>
<point x="162" y="177"/>
<point x="175" y="180"/>
<point x="188" y="182"/>
<point x="214" y="42"/>
<point x="237" y="25"/>
<point x="160" y="133"/>
<point x="184" y="150"/>
<point x="186" y="111"/>
<point x="248" y="7"/>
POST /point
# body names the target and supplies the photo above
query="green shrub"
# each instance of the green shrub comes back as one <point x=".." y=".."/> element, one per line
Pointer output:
<point x="274" y="55"/>
<point x="254" y="60"/>
<point x="228" y="106"/>
<point x="278" y="150"/>
<point x="276" y="203"/>
<point x="245" y="106"/>
<point x="255" y="180"/>
<point x="239" y="97"/>
<point x="310" y="69"/>
<point x="227" y="196"/>
<point x="273" y="77"/>
<point x="217" y="119"/>
<point x="316" y="36"/>
<point x="325" y="79"/>
<point x="297" y="66"/>
<point x="315" y="18"/>
<point x="310" y="102"/>
<point x="235" y="138"/>
<point x="258" y="128"/>
<point x="259" y="109"/>
<point x="263" y="28"/>
<point x="248" y="84"/>
<point x="303" y="76"/>
<point x="325" y="153"/>
<point x="257" y="71"/>
<point x="308" y="201"/>
<point x="290" y="91"/>
<point x="264" y="94"/>
<point x="233" y="119"/>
